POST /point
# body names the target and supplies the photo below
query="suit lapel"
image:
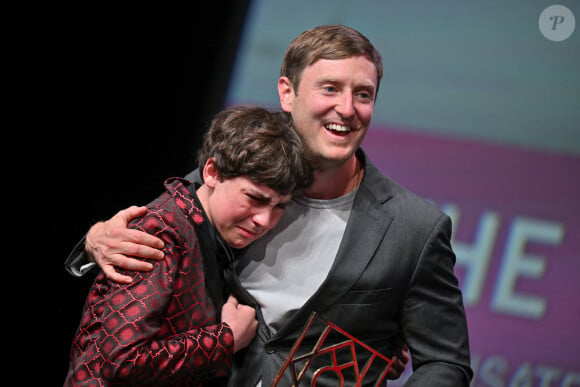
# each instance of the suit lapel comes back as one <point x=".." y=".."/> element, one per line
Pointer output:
<point x="366" y="227"/>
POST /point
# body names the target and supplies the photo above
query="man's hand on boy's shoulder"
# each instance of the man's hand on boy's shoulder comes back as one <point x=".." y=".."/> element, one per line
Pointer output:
<point x="112" y="245"/>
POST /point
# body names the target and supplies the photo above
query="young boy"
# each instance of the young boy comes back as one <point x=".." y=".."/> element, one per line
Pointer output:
<point x="168" y="326"/>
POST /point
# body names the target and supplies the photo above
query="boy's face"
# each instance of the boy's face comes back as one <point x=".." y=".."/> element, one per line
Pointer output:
<point x="333" y="106"/>
<point x="241" y="210"/>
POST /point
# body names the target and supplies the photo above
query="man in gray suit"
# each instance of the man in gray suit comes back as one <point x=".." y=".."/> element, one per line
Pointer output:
<point x="359" y="250"/>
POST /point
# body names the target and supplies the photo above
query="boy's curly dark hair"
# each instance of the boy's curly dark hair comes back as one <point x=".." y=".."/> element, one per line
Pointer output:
<point x="260" y="144"/>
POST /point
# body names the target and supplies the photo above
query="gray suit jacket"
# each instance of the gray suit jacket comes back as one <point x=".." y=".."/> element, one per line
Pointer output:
<point x="393" y="276"/>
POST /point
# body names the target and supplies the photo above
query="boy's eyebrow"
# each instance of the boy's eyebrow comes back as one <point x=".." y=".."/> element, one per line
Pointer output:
<point x="267" y="198"/>
<point x="259" y="194"/>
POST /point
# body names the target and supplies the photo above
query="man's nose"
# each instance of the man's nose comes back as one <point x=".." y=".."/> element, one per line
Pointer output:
<point x="345" y="106"/>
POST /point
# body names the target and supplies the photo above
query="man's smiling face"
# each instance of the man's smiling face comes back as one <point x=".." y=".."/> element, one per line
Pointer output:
<point x="332" y="107"/>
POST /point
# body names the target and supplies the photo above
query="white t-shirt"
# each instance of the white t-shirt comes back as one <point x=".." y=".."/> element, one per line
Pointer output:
<point x="284" y="269"/>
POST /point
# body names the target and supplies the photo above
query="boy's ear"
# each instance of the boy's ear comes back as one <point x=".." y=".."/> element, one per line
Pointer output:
<point x="286" y="94"/>
<point x="210" y="173"/>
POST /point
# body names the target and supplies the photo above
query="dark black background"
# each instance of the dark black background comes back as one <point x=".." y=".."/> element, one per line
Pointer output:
<point x="106" y="101"/>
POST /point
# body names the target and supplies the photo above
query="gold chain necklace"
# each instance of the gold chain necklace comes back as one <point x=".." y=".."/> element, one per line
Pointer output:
<point x="358" y="175"/>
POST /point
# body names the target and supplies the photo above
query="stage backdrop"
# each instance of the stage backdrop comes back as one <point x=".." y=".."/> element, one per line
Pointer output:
<point x="479" y="111"/>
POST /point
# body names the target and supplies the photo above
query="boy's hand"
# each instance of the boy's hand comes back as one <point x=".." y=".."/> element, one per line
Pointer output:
<point x="242" y="320"/>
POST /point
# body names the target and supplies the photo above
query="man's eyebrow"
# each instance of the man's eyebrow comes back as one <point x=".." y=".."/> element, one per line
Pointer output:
<point x="370" y="86"/>
<point x="367" y="85"/>
<point x="326" y="79"/>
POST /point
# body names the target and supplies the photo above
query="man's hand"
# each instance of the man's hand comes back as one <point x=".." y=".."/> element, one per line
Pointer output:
<point x="242" y="320"/>
<point x="111" y="244"/>
<point x="400" y="360"/>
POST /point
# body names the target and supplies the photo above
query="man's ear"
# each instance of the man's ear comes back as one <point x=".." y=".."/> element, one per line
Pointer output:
<point x="210" y="173"/>
<point x="286" y="94"/>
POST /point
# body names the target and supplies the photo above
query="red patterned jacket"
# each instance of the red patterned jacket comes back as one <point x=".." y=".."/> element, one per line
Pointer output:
<point x="163" y="328"/>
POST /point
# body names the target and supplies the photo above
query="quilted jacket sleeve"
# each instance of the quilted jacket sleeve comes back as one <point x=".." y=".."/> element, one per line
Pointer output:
<point x="162" y="327"/>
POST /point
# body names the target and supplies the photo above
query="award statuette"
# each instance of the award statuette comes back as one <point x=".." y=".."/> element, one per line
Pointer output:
<point x="333" y="356"/>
